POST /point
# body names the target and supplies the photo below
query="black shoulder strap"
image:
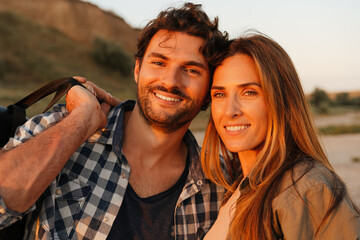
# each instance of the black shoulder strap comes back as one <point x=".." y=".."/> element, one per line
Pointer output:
<point x="61" y="86"/>
<point x="15" y="114"/>
<point x="18" y="116"/>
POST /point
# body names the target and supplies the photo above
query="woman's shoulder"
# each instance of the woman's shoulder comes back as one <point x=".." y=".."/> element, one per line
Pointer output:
<point x="307" y="192"/>
<point x="311" y="172"/>
<point x="309" y="177"/>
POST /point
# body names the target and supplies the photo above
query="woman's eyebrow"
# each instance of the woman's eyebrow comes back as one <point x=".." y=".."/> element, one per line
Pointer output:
<point x="239" y="85"/>
<point x="217" y="88"/>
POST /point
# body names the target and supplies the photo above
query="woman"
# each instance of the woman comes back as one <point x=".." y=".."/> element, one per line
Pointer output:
<point x="280" y="184"/>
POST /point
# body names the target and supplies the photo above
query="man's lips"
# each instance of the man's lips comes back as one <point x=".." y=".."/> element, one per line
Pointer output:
<point x="166" y="98"/>
<point x="168" y="94"/>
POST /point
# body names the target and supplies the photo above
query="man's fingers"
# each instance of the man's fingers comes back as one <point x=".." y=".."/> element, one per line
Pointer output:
<point x="101" y="94"/>
<point x="81" y="80"/>
<point x="105" y="109"/>
<point x="110" y="99"/>
<point x="90" y="88"/>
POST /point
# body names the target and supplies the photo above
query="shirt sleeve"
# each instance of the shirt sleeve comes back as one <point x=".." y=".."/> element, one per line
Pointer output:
<point x="36" y="125"/>
<point x="31" y="128"/>
<point x="299" y="213"/>
<point x="8" y="217"/>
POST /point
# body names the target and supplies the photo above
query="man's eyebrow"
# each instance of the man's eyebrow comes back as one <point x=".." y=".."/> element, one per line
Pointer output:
<point x="188" y="63"/>
<point x="158" y="55"/>
<point x="239" y="85"/>
<point x="196" y="64"/>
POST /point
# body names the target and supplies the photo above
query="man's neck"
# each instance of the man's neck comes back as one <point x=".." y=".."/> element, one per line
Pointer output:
<point x="152" y="155"/>
<point x="148" y="141"/>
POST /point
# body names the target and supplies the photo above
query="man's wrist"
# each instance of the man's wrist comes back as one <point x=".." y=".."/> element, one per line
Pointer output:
<point x="87" y="116"/>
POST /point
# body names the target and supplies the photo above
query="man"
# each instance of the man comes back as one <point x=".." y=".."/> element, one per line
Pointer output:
<point x="139" y="177"/>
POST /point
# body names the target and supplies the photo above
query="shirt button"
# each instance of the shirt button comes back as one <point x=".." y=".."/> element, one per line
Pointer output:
<point x="117" y="148"/>
<point x="106" y="219"/>
<point x="199" y="182"/>
<point x="123" y="175"/>
<point x="58" y="191"/>
<point x="2" y="210"/>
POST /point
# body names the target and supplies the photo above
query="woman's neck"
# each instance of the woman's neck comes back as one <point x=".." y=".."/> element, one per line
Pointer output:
<point x="248" y="160"/>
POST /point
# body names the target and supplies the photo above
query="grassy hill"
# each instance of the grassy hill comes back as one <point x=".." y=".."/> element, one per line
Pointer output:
<point x="42" y="40"/>
<point x="80" y="21"/>
<point x="32" y="54"/>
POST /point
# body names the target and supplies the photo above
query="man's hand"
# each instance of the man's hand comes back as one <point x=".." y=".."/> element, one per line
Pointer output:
<point x="101" y="94"/>
<point x="95" y="101"/>
<point x="81" y="102"/>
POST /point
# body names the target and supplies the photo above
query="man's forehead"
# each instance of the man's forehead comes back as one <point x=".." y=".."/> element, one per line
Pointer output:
<point x="169" y="42"/>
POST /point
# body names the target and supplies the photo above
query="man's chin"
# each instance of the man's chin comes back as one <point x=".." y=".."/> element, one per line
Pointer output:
<point x="168" y="127"/>
<point x="167" y="120"/>
<point x="165" y="123"/>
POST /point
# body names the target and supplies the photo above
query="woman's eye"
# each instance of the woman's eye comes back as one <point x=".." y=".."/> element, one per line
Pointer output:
<point x="250" y="93"/>
<point x="218" y="95"/>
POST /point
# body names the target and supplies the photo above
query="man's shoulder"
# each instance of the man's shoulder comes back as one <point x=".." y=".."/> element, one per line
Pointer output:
<point x="45" y="120"/>
<point x="36" y="125"/>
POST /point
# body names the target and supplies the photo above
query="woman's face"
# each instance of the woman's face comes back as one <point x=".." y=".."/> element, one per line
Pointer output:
<point x="237" y="104"/>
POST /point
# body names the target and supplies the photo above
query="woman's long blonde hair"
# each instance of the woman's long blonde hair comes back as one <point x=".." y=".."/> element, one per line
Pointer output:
<point x="291" y="136"/>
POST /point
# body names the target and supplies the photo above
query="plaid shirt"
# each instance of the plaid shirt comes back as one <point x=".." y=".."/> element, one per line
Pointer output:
<point x="83" y="201"/>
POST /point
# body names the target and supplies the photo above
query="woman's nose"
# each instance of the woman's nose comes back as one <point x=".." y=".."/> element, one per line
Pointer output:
<point x="233" y="107"/>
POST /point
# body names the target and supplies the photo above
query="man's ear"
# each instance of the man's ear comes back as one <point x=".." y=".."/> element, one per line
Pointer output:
<point x="136" y="70"/>
<point x="206" y="103"/>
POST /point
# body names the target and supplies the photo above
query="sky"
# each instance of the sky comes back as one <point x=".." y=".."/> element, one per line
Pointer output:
<point x="321" y="36"/>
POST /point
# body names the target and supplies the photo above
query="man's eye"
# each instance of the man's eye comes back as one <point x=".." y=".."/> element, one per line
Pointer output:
<point x="158" y="63"/>
<point x="192" y="71"/>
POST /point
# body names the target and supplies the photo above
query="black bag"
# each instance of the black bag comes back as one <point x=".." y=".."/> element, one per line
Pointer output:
<point x="14" y="116"/>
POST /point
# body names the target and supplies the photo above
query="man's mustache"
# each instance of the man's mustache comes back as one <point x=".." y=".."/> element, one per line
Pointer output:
<point x="174" y="90"/>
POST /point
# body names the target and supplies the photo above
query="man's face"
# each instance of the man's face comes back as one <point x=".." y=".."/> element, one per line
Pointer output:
<point x="172" y="81"/>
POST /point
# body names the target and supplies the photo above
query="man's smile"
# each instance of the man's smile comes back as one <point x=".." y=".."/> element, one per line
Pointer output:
<point x="169" y="99"/>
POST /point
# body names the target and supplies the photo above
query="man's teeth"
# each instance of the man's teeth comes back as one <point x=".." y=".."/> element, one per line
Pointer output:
<point x="236" y="128"/>
<point x="168" y="98"/>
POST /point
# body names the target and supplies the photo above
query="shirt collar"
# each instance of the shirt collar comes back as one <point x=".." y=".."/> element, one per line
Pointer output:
<point x="113" y="134"/>
<point x="114" y="125"/>
<point x="195" y="171"/>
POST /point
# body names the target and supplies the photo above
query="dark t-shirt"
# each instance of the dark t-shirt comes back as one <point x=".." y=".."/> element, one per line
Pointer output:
<point x="148" y="218"/>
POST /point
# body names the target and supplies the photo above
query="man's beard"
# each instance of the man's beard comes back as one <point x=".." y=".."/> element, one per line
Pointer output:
<point x="167" y="122"/>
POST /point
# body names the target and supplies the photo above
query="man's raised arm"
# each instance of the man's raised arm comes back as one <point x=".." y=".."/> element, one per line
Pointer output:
<point x="28" y="169"/>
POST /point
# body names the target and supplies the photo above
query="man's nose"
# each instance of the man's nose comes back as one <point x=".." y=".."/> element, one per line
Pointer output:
<point x="173" y="77"/>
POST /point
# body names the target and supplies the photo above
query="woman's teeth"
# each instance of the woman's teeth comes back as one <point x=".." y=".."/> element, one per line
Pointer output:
<point x="237" y="128"/>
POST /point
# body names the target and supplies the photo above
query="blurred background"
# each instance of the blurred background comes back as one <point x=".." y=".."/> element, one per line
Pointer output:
<point x="43" y="40"/>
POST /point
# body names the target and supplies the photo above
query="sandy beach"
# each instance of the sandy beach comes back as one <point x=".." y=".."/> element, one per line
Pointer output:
<point x="341" y="149"/>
